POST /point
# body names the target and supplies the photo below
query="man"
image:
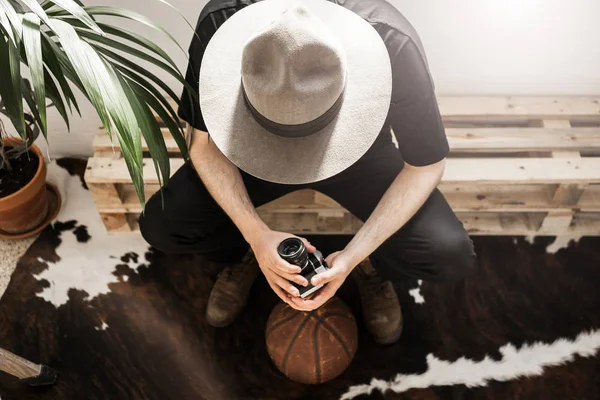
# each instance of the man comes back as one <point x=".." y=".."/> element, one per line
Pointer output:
<point x="306" y="95"/>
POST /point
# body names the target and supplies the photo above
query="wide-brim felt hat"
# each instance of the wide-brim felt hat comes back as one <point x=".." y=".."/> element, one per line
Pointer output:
<point x="295" y="92"/>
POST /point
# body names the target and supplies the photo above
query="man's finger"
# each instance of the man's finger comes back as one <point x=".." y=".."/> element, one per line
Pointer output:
<point x="294" y="304"/>
<point x="299" y="279"/>
<point x="283" y="267"/>
<point x="285" y="285"/>
<point x="306" y="304"/>
<point x="321" y="297"/>
<point x="301" y="304"/>
<point x="279" y="292"/>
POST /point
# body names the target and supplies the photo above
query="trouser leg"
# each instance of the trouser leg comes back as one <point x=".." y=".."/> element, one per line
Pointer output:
<point x="186" y="219"/>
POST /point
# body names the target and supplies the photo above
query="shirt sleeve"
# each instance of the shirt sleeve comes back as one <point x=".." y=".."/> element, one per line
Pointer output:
<point x="189" y="108"/>
<point x="414" y="113"/>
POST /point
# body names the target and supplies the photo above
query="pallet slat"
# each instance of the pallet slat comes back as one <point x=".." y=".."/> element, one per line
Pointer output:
<point x="461" y="140"/>
<point x="472" y="170"/>
<point x="518" y="224"/>
<point x="522" y="139"/>
<point x="103" y="143"/>
<point x="522" y="170"/>
<point x="530" y="107"/>
<point x="490" y="198"/>
<point x="105" y="170"/>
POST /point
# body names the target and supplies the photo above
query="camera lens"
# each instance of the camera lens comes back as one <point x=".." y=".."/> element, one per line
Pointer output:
<point x="293" y="251"/>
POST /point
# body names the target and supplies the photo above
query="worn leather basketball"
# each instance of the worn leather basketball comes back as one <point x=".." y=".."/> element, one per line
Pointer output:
<point x="312" y="347"/>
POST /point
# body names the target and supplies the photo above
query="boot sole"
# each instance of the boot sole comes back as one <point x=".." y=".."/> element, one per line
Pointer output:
<point x="388" y="341"/>
<point x="223" y="324"/>
<point x="226" y="323"/>
<point x="220" y="324"/>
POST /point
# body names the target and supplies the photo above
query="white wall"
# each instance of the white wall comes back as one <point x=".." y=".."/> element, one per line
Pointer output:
<point x="510" y="46"/>
<point x="474" y="47"/>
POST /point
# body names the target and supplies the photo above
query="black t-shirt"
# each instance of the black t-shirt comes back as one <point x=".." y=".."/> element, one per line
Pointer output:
<point x="414" y="116"/>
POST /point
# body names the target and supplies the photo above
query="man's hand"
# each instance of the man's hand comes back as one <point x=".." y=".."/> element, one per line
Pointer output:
<point x="278" y="272"/>
<point x="339" y="269"/>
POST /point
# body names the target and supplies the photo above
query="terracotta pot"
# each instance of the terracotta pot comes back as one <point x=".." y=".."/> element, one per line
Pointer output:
<point x="26" y="209"/>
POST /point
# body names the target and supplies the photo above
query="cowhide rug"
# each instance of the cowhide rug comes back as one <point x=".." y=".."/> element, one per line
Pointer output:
<point x="120" y="321"/>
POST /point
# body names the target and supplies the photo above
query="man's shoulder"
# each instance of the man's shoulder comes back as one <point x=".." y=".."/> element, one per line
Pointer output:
<point x="393" y="27"/>
<point x="382" y="15"/>
<point x="215" y="6"/>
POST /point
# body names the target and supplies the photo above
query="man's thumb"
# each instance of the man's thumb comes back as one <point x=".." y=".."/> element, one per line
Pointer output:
<point x="322" y="278"/>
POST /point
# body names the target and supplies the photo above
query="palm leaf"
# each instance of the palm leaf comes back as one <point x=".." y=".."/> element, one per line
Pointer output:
<point x="143" y="82"/>
<point x="117" y="12"/>
<point x="37" y="9"/>
<point x="17" y="6"/>
<point x="52" y="65"/>
<point x="169" y="117"/>
<point x="106" y="93"/>
<point x="137" y="39"/>
<point x="141" y="79"/>
<point x="10" y="21"/>
<point x="84" y="66"/>
<point x="111" y="43"/>
<point x="193" y="96"/>
<point x="152" y="134"/>
<point x="33" y="49"/>
<point x="10" y="89"/>
<point x="139" y="70"/>
<point x="63" y="45"/>
<point x="60" y="66"/>
<point x="54" y="95"/>
<point x="71" y="7"/>
<point x="126" y="125"/>
<point x="158" y="103"/>
<point x="157" y="100"/>
<point x="30" y="102"/>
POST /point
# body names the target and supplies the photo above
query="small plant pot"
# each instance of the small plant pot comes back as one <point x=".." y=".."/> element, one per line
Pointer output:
<point x="22" y="212"/>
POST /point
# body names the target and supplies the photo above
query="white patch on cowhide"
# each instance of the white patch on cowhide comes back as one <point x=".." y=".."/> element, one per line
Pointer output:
<point x="102" y="327"/>
<point x="416" y="293"/>
<point x="528" y="361"/>
<point x="86" y="266"/>
<point x="561" y="242"/>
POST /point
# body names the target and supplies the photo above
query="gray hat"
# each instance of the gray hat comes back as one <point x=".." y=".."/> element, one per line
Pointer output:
<point x="295" y="91"/>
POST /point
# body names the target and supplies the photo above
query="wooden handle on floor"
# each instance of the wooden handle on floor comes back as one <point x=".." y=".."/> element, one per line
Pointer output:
<point x="18" y="366"/>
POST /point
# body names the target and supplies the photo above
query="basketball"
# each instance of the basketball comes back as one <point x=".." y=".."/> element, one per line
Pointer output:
<point x="312" y="347"/>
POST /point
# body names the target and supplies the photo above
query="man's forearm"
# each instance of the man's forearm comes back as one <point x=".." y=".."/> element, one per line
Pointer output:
<point x="401" y="201"/>
<point x="224" y="182"/>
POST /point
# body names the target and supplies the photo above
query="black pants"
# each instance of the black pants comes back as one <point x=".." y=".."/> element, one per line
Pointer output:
<point x="432" y="246"/>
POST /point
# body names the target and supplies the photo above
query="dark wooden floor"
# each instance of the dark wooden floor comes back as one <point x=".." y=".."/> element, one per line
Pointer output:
<point x="158" y="345"/>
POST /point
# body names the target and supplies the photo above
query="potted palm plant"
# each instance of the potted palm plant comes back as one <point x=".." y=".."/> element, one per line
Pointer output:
<point x="63" y="45"/>
<point x="23" y="200"/>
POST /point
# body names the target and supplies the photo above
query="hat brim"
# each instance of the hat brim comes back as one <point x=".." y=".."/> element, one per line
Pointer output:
<point x="295" y="160"/>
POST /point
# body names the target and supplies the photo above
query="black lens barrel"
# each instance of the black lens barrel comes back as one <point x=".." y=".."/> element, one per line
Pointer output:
<point x="293" y="251"/>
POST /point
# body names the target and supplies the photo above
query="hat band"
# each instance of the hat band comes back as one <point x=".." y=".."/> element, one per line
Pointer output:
<point x="298" y="130"/>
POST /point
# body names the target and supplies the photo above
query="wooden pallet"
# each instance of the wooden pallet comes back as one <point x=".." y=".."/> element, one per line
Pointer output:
<point x="518" y="166"/>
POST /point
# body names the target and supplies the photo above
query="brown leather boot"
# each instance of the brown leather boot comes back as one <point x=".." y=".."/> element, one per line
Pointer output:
<point x="230" y="292"/>
<point x="380" y="305"/>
